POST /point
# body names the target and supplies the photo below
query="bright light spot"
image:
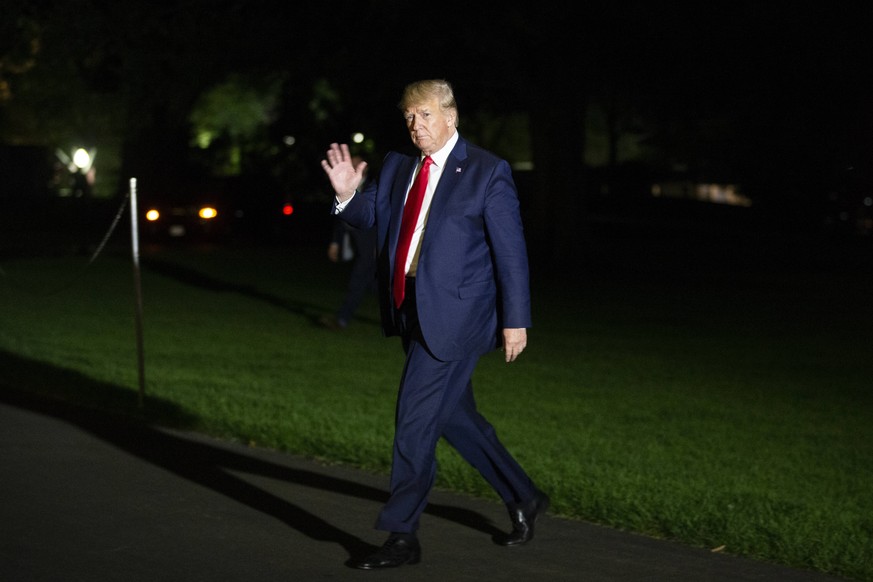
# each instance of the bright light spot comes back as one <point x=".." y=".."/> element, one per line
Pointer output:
<point x="152" y="215"/>
<point x="82" y="159"/>
<point x="207" y="213"/>
<point x="868" y="201"/>
<point x="358" y="137"/>
<point x="289" y="140"/>
<point x="204" y="138"/>
<point x="715" y="193"/>
<point x="287" y="209"/>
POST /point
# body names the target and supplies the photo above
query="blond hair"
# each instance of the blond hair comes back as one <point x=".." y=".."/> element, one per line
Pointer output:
<point x="421" y="91"/>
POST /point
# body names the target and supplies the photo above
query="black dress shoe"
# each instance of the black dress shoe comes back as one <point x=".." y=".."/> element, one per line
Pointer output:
<point x="524" y="517"/>
<point x="396" y="551"/>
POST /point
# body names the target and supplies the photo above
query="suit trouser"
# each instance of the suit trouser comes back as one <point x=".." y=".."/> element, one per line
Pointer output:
<point x="436" y="400"/>
<point x="363" y="276"/>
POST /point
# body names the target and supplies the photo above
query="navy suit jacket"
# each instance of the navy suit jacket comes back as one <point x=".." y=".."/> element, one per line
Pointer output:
<point x="472" y="278"/>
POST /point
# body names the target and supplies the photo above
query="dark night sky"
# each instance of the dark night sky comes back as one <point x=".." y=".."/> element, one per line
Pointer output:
<point x="786" y="78"/>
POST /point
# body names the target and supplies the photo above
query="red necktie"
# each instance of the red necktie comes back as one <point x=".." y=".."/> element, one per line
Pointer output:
<point x="411" y="210"/>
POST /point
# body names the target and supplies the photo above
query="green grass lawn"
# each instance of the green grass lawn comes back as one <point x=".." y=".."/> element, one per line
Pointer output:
<point x="719" y="399"/>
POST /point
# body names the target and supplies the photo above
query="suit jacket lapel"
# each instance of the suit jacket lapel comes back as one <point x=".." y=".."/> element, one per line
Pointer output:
<point x="456" y="163"/>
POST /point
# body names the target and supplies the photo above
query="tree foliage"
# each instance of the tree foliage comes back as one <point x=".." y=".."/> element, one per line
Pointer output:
<point x="231" y="120"/>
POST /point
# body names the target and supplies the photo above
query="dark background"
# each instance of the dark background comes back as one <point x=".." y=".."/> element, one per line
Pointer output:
<point x="770" y="96"/>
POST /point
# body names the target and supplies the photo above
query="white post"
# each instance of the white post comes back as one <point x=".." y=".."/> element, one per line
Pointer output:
<point x="134" y="235"/>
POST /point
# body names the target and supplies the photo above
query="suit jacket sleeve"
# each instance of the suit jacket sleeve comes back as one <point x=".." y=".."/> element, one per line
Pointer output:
<point x="506" y="234"/>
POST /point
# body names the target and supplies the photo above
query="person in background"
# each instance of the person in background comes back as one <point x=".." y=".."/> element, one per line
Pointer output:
<point x="454" y="285"/>
<point x="358" y="245"/>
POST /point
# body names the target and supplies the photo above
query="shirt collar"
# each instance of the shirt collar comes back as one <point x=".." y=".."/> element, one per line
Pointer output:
<point x="440" y="156"/>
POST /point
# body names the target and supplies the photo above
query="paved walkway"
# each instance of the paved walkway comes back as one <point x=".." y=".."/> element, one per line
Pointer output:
<point x="84" y="497"/>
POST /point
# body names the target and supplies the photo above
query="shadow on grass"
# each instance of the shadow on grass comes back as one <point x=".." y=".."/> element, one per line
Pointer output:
<point x="195" y="278"/>
<point x="111" y="413"/>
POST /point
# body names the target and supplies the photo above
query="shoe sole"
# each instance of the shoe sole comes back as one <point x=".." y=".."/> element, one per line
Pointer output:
<point x="410" y="562"/>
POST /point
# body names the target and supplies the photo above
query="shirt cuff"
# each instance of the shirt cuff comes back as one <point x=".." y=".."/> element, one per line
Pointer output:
<point x="340" y="206"/>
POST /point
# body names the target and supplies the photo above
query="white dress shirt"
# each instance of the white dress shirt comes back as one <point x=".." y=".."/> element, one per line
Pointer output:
<point x="436" y="170"/>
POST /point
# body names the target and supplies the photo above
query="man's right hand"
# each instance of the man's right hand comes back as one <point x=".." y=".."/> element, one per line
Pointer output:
<point x="344" y="177"/>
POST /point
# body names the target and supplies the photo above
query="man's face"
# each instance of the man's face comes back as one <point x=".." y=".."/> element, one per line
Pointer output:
<point x="429" y="127"/>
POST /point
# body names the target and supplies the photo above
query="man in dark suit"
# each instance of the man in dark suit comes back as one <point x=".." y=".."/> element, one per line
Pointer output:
<point x="461" y="291"/>
<point x="359" y="246"/>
